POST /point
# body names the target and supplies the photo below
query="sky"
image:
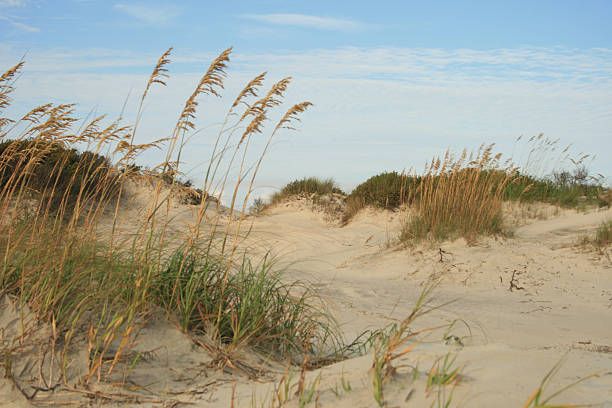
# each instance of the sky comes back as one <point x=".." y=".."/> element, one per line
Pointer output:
<point x="393" y="83"/>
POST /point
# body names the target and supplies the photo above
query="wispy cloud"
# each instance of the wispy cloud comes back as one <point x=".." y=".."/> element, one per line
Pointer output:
<point x="384" y="108"/>
<point x="150" y="13"/>
<point x="13" y="3"/>
<point x="442" y="67"/>
<point x="19" y="25"/>
<point x="308" y="21"/>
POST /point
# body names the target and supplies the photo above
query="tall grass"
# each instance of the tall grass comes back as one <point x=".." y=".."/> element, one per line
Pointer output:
<point x="397" y="340"/>
<point x="459" y="197"/>
<point x="462" y="196"/>
<point x="60" y="259"/>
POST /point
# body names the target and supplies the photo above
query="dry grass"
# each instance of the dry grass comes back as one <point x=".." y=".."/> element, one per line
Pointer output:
<point x="462" y="196"/>
<point x="98" y="286"/>
<point x="95" y="287"/>
<point x="459" y="197"/>
<point x="397" y="341"/>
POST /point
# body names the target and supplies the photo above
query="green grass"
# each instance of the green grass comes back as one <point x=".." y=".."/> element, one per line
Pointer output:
<point x="252" y="307"/>
<point x="396" y="341"/>
<point x="538" y="400"/>
<point x="60" y="277"/>
<point x="84" y="280"/>
<point x="390" y="190"/>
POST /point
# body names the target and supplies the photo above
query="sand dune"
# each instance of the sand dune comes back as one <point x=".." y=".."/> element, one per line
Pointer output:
<point x="520" y="305"/>
<point x="560" y="301"/>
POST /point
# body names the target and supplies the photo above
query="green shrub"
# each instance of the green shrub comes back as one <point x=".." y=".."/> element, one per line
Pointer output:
<point x="605" y="198"/>
<point x="310" y="185"/>
<point x="385" y="190"/>
<point x="561" y="189"/>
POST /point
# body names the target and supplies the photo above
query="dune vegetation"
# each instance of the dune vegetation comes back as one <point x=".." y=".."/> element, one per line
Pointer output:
<point x="307" y="186"/>
<point x="462" y="196"/>
<point x="66" y="261"/>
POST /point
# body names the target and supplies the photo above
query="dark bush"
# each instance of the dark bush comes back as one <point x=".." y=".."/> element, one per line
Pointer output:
<point x="386" y="190"/>
<point x="58" y="176"/>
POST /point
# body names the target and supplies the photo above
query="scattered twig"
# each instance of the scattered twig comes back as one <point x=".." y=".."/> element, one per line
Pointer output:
<point x="514" y="283"/>
<point x="442" y="253"/>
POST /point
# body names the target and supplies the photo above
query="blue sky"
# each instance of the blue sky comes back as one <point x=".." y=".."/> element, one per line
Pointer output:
<point x="393" y="82"/>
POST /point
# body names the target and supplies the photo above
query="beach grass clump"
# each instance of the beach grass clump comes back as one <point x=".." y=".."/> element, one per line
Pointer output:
<point x="65" y="257"/>
<point x="307" y="186"/>
<point x="603" y="235"/>
<point x="250" y="306"/>
<point x="459" y="197"/>
<point x="59" y="277"/>
<point x="397" y="340"/>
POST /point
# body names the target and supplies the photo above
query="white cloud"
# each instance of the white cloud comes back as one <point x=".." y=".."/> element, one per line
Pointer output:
<point x="19" y="25"/>
<point x="149" y="12"/>
<point x="308" y="21"/>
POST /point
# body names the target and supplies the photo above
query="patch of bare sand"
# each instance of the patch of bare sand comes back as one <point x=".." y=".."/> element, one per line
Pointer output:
<point x="525" y="302"/>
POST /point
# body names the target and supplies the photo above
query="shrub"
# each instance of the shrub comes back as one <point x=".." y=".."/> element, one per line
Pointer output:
<point x="561" y="189"/>
<point x="258" y="206"/>
<point x="605" y="197"/>
<point x="189" y="195"/>
<point x="310" y="185"/>
<point x="55" y="174"/>
<point x="385" y="190"/>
